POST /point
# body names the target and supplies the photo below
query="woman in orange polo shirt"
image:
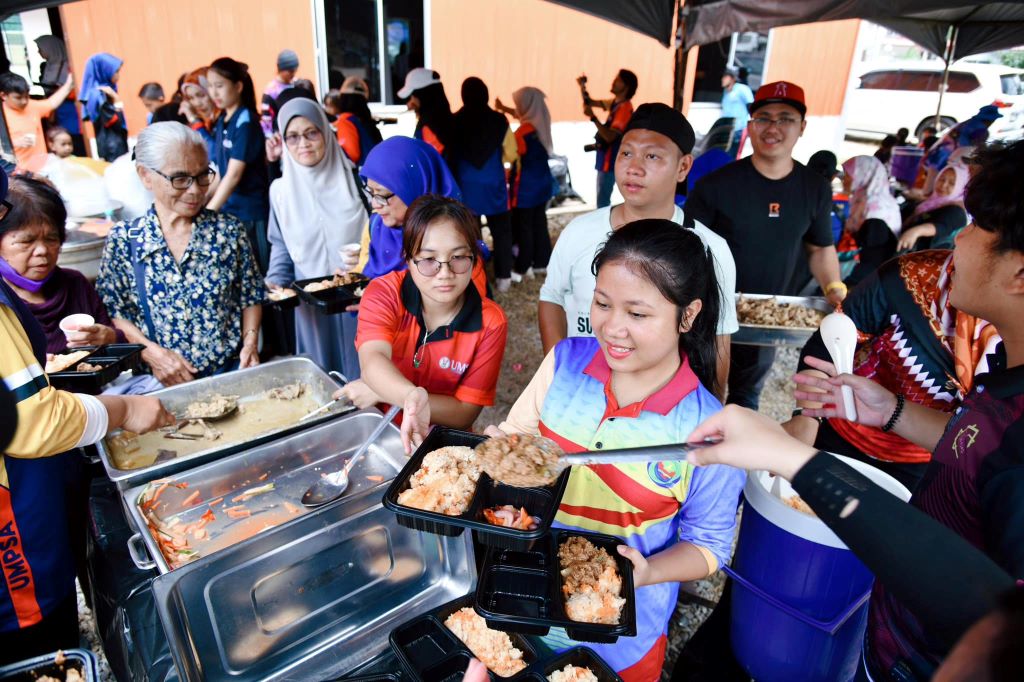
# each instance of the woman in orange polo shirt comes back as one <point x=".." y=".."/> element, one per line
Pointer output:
<point x="426" y="339"/>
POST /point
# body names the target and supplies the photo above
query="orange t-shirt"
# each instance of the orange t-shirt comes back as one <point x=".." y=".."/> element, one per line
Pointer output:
<point x="28" y="121"/>
<point x="348" y="137"/>
<point x="462" y="359"/>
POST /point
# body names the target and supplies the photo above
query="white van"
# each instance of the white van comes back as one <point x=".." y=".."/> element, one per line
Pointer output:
<point x="906" y="94"/>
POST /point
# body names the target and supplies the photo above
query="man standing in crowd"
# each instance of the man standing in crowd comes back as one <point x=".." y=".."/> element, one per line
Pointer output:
<point x="620" y="109"/>
<point x="773" y="212"/>
<point x="736" y="97"/>
<point x="287" y="65"/>
<point x="653" y="157"/>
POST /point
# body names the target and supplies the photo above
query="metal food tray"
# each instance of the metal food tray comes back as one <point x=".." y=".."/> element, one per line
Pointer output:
<point x="317" y="596"/>
<point x="242" y="382"/>
<point x="292" y="464"/>
<point x="768" y="335"/>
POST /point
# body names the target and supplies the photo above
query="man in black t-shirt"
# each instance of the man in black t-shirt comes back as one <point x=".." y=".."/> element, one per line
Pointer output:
<point x="774" y="213"/>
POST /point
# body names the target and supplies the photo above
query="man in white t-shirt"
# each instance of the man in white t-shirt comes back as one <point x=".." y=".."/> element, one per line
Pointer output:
<point x="654" y="156"/>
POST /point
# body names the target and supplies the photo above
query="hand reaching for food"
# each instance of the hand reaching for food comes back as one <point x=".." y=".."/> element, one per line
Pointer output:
<point x="416" y="420"/>
<point x="168" y="366"/>
<point x="249" y="356"/>
<point x="359" y="393"/>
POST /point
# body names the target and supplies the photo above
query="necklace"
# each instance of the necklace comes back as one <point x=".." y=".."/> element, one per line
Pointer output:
<point x="417" y="357"/>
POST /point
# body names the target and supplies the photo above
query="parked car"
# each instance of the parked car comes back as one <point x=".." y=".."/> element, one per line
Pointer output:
<point x="906" y="95"/>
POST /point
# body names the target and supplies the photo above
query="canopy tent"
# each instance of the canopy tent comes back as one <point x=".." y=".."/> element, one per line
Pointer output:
<point x="653" y="18"/>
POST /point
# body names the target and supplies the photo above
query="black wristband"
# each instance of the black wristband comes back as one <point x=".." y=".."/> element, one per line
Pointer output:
<point x="799" y="412"/>
<point x="900" y="402"/>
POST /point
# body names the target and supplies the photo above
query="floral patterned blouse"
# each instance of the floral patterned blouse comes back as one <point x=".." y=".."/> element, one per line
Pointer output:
<point x="196" y="305"/>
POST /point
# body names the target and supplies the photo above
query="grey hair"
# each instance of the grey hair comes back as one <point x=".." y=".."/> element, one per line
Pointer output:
<point x="160" y="142"/>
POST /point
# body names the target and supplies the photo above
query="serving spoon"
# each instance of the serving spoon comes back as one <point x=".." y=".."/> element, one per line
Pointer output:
<point x="839" y="333"/>
<point x="333" y="485"/>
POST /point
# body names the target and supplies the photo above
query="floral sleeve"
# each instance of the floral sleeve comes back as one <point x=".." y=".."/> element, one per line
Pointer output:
<point x="250" y="283"/>
<point x="116" y="280"/>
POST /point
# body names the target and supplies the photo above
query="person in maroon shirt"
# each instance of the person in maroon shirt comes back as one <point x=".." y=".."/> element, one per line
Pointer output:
<point x="975" y="482"/>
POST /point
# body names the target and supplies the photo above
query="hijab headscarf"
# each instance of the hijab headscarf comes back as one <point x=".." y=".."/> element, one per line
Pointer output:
<point x="435" y="112"/>
<point x="410" y="168"/>
<point x="871" y="195"/>
<point x="480" y="130"/>
<point x="531" y="108"/>
<point x="55" y="70"/>
<point x="197" y="79"/>
<point x="318" y="208"/>
<point x="98" y="71"/>
<point x="935" y="200"/>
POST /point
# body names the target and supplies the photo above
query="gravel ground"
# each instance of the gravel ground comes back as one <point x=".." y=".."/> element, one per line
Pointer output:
<point x="522" y="357"/>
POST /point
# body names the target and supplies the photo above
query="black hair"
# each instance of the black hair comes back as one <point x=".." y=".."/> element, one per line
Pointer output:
<point x="993" y="194"/>
<point x="34" y="202"/>
<point x="238" y="72"/>
<point x="903" y="133"/>
<point x="888" y="142"/>
<point x="630" y="81"/>
<point x="1007" y="658"/>
<point x="151" y="91"/>
<point x="475" y="93"/>
<point x="355" y="104"/>
<point x="305" y="84"/>
<point x="676" y="262"/>
<point x="53" y="131"/>
<point x="13" y="83"/>
<point x="435" y="112"/>
<point x="430" y="208"/>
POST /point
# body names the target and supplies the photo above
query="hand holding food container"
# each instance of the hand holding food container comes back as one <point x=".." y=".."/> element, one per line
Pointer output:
<point x="349" y="256"/>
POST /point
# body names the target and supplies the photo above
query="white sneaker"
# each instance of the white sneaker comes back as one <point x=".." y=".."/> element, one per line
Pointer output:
<point x="503" y="285"/>
<point x="539" y="271"/>
<point x="516" y="277"/>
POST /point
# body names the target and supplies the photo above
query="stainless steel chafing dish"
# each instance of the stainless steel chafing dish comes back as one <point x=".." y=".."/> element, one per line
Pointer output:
<point x="316" y="596"/>
<point x="770" y="335"/>
<point x="246" y="382"/>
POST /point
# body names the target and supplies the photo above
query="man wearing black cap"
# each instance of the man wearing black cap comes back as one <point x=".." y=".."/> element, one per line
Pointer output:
<point x="654" y="155"/>
<point x="775" y="214"/>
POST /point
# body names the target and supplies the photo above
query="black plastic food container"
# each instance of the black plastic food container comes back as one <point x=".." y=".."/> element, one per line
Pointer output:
<point x="429" y="651"/>
<point x="539" y="502"/>
<point x="329" y="301"/>
<point x="582" y="657"/>
<point x="32" y="669"/>
<point x="112" y="359"/>
<point x="522" y="591"/>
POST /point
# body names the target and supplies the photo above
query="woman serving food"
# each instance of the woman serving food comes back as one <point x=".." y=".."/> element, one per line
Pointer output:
<point x="645" y="379"/>
<point x="427" y="340"/>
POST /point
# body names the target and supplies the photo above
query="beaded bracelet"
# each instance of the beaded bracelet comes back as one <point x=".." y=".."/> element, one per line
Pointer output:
<point x="900" y="402"/>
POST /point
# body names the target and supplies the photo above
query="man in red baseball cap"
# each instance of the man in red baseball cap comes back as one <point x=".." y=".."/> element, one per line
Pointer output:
<point x="780" y="225"/>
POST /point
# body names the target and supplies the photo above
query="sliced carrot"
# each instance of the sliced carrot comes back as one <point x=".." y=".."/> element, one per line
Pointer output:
<point x="151" y="502"/>
<point x="214" y="503"/>
<point x="292" y="509"/>
<point x="264" y="476"/>
<point x="375" y="478"/>
<point x="207" y="517"/>
<point x="191" y="499"/>
<point x="238" y="512"/>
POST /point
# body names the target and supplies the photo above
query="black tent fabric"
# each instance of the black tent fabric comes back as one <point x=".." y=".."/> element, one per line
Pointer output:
<point x="650" y="17"/>
<point x="980" y="26"/>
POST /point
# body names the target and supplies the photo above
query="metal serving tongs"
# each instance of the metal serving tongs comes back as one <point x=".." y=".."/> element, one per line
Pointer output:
<point x="327" y="406"/>
<point x="649" y="453"/>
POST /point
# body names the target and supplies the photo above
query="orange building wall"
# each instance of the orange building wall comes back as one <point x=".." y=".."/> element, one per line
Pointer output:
<point x="533" y="42"/>
<point x="160" y="39"/>
<point x="817" y="57"/>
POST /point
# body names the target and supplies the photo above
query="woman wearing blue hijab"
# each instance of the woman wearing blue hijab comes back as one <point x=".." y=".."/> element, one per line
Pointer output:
<point x="398" y="171"/>
<point x="102" y="105"/>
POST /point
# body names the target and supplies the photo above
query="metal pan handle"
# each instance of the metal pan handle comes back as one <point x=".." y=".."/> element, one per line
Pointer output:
<point x="137" y="551"/>
<point x="338" y="376"/>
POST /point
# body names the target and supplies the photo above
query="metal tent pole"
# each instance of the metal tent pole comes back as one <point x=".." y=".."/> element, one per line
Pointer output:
<point x="954" y="31"/>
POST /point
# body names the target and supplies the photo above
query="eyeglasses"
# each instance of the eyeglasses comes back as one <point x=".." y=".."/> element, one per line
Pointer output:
<point x="379" y="200"/>
<point x="182" y="181"/>
<point x="782" y="124"/>
<point x="459" y="265"/>
<point x="5" y="208"/>
<point x="311" y="135"/>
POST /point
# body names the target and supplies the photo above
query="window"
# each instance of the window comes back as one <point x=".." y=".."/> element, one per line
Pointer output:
<point x="961" y="81"/>
<point x="379" y="40"/>
<point x="880" y="80"/>
<point x="745" y="51"/>
<point x="1013" y="84"/>
<point x="920" y="81"/>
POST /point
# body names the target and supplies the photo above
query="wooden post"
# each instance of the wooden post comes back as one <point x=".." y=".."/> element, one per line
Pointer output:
<point x="679" y="75"/>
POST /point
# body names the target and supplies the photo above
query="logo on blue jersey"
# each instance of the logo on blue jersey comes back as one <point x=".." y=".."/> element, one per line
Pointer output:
<point x="665" y="474"/>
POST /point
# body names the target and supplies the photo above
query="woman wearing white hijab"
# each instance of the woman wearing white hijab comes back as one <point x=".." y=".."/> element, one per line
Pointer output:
<point x="315" y="209"/>
<point x="874" y="220"/>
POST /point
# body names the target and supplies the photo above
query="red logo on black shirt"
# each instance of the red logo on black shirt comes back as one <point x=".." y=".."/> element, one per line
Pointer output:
<point x="773" y="210"/>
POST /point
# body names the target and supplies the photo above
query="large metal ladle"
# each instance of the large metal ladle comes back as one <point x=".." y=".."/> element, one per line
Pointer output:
<point x="333" y="485"/>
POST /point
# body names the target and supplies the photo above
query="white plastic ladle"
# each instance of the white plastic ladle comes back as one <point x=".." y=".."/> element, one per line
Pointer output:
<point x="840" y="336"/>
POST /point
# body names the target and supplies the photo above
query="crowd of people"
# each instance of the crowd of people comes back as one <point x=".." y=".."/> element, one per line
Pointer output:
<point x="635" y="314"/>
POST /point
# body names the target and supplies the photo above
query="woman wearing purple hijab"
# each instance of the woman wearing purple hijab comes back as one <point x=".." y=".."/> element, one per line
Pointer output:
<point x="102" y="105"/>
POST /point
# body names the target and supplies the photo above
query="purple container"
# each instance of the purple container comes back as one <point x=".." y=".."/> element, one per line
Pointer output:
<point x="800" y="597"/>
<point x="904" y="164"/>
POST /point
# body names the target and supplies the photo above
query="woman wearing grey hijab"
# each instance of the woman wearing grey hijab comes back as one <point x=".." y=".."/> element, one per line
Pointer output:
<point x="315" y="210"/>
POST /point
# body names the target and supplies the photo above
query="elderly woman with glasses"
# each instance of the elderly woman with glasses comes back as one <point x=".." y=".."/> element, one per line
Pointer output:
<point x="182" y="279"/>
<point x="315" y="211"/>
<point x="427" y="339"/>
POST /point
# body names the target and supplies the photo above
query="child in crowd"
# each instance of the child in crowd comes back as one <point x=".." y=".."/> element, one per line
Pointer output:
<point x="152" y="96"/>
<point x="25" y="116"/>
<point x="645" y="378"/>
<point x="58" y="140"/>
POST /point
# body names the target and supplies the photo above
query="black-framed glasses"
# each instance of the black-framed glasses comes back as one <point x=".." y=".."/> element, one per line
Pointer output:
<point x="311" y="135"/>
<point x="459" y="265"/>
<point x="183" y="181"/>
<point x="5" y="208"/>
<point x="783" y="124"/>
<point x="379" y="200"/>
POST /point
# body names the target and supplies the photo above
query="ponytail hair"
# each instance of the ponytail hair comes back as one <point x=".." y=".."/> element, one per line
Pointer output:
<point x="677" y="263"/>
<point x="238" y="72"/>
